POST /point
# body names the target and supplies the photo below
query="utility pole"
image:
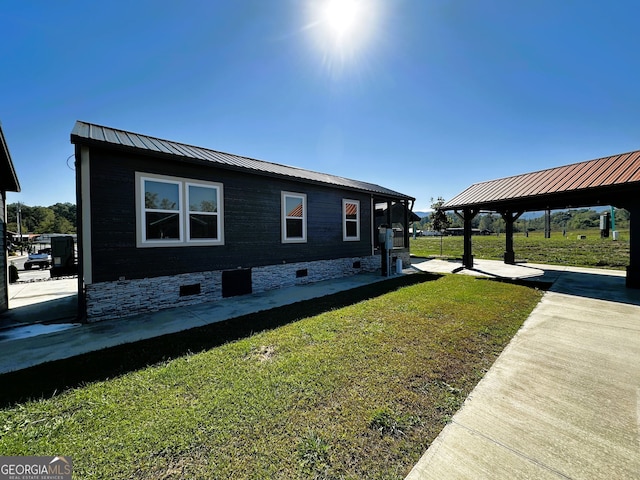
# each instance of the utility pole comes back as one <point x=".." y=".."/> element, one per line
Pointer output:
<point x="19" y="219"/>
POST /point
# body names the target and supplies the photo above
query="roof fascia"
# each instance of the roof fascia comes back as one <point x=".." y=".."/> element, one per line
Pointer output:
<point x="13" y="185"/>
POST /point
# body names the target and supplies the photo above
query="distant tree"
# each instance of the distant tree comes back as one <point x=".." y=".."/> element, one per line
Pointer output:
<point x="62" y="225"/>
<point x="439" y="219"/>
<point x="58" y="218"/>
<point x="455" y="221"/>
<point x="583" y="219"/>
<point x="622" y="218"/>
<point x="486" y="222"/>
<point x="45" y="220"/>
<point x="65" y="210"/>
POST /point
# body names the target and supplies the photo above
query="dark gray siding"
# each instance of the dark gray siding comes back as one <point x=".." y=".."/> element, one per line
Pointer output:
<point x="4" y="288"/>
<point x="251" y="221"/>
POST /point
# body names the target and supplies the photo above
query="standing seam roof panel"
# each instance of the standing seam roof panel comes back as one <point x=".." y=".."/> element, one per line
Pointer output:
<point x="599" y="177"/>
<point x="556" y="180"/>
<point x="603" y="172"/>
<point x="149" y="144"/>
<point x="83" y="130"/>
<point x="97" y="133"/>
<point x="635" y="176"/>
<point x="553" y="178"/>
<point x="617" y="169"/>
<point x="466" y="196"/>
<point x="582" y="173"/>
<point x="524" y="187"/>
<point x="506" y="188"/>
<point x="607" y="172"/>
<point x="536" y="183"/>
<point x="493" y="190"/>
<point x="172" y="149"/>
<point x="559" y="177"/>
<point x="626" y="168"/>
<point x="137" y="142"/>
<point x="124" y="139"/>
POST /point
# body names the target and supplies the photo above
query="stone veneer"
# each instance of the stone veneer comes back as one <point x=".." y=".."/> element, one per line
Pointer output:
<point x="108" y="300"/>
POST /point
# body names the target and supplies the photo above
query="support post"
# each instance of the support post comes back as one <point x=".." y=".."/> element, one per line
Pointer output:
<point x="467" y="216"/>
<point x="633" y="270"/>
<point x="547" y="223"/>
<point x="509" y="219"/>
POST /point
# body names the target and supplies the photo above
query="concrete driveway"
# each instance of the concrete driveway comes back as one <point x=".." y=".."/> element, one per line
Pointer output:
<point x="41" y="302"/>
<point x="563" y="399"/>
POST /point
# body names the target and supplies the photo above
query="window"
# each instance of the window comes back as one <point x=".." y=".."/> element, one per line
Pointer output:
<point x="162" y="210"/>
<point x="203" y="212"/>
<point x="294" y="217"/>
<point x="174" y="211"/>
<point x="351" y="220"/>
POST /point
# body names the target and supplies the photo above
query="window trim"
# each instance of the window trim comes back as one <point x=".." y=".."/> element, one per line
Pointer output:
<point x="183" y="212"/>
<point x="283" y="217"/>
<point x="345" y="220"/>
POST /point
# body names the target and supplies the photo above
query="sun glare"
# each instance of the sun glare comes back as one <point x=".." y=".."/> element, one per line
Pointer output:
<point x="342" y="29"/>
<point x="341" y="16"/>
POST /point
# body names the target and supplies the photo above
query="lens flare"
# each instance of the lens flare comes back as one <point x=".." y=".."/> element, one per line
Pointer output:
<point x="342" y="30"/>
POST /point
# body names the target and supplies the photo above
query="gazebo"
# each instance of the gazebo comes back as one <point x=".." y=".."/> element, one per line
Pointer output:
<point x="613" y="180"/>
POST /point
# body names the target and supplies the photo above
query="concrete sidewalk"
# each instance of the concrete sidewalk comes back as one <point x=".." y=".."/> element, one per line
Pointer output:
<point x="563" y="399"/>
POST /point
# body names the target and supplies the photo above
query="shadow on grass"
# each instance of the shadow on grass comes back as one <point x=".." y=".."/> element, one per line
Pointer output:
<point x="52" y="378"/>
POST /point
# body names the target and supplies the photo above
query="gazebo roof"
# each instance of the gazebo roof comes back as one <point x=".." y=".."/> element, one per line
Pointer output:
<point x="612" y="180"/>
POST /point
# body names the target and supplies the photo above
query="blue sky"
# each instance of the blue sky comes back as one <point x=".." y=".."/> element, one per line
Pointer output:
<point x="422" y="96"/>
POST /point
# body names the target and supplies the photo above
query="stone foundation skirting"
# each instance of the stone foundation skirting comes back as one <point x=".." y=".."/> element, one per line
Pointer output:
<point x="108" y="300"/>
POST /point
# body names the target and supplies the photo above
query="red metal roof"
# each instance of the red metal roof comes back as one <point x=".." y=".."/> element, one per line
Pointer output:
<point x="602" y="174"/>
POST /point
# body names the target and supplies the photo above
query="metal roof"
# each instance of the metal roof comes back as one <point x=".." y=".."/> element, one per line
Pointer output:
<point x="90" y="134"/>
<point x="607" y="179"/>
<point x="8" y="178"/>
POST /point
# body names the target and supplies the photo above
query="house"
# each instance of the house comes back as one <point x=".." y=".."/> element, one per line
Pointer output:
<point x="163" y="223"/>
<point x="8" y="183"/>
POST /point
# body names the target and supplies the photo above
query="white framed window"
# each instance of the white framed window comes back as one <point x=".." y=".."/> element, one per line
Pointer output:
<point x="203" y="224"/>
<point x="294" y="217"/>
<point x="173" y="211"/>
<point x="350" y="220"/>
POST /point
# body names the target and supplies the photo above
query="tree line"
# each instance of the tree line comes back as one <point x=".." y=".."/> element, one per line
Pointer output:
<point x="58" y="218"/>
<point x="561" y="220"/>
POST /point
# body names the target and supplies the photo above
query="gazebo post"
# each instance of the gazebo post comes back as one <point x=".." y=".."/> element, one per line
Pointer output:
<point x="467" y="216"/>
<point x="633" y="270"/>
<point x="509" y="219"/>
<point x="547" y="223"/>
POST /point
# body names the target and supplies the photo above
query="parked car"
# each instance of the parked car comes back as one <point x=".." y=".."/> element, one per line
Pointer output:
<point x="42" y="259"/>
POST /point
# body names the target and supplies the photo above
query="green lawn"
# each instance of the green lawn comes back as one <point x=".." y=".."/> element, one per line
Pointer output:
<point x="355" y="392"/>
<point x="592" y="251"/>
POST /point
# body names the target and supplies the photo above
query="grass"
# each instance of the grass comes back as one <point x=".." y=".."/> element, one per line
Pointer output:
<point x="557" y="250"/>
<point x="354" y="392"/>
